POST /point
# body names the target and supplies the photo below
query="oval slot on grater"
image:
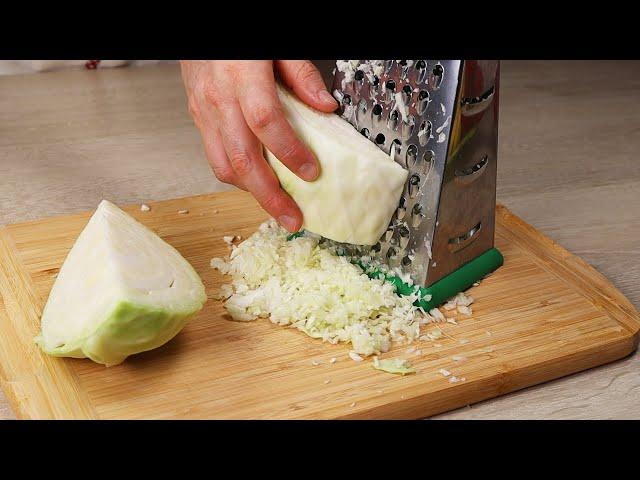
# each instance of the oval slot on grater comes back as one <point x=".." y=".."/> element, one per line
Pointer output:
<point x="439" y="120"/>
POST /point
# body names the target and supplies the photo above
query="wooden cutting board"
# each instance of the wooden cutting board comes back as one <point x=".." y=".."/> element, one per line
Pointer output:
<point x="544" y="314"/>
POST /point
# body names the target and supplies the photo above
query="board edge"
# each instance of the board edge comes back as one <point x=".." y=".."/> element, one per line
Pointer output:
<point x="587" y="281"/>
<point x="63" y="397"/>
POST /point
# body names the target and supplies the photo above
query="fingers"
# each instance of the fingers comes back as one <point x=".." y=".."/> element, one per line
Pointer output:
<point x="217" y="157"/>
<point x="205" y="119"/>
<point x="306" y="81"/>
<point x="256" y="93"/>
<point x="245" y="155"/>
<point x="236" y="107"/>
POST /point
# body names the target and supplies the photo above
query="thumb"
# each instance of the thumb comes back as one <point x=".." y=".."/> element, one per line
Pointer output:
<point x="306" y="81"/>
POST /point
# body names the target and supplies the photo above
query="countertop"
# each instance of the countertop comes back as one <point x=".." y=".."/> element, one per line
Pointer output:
<point x="568" y="164"/>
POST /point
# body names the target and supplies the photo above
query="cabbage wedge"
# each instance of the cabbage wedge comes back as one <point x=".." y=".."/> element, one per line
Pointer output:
<point x="121" y="290"/>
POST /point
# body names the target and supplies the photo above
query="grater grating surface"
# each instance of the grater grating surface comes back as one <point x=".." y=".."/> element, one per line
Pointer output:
<point x="433" y="118"/>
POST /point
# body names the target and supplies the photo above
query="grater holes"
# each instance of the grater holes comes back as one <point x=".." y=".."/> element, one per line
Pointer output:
<point x="347" y="111"/>
<point x="388" y="235"/>
<point x="391" y="253"/>
<point x="417" y="215"/>
<point x="407" y="127"/>
<point x="404" y="69"/>
<point x="424" y="134"/>
<point x="404" y="233"/>
<point x="435" y="79"/>
<point x="375" y="85"/>
<point x="376" y="248"/>
<point x="365" y="132"/>
<point x="396" y="150"/>
<point x="376" y="113"/>
<point x="407" y="92"/>
<point x="475" y="100"/>
<point x="428" y="159"/>
<point x="421" y="67"/>
<point x="473" y="169"/>
<point x="388" y="64"/>
<point x="412" y="154"/>
<point x="406" y="261"/>
<point x="362" y="106"/>
<point x="358" y="80"/>
<point x="458" y="243"/>
<point x="468" y="175"/>
<point x="422" y="165"/>
<point x="380" y="139"/>
<point x="402" y="209"/>
<point x="362" y="110"/>
<point x="423" y="102"/>
<point x="389" y="90"/>
<point x="392" y="123"/>
<point x="414" y="185"/>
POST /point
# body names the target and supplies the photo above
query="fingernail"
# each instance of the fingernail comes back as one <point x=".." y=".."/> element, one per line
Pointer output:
<point x="327" y="98"/>
<point x="308" y="171"/>
<point x="288" y="222"/>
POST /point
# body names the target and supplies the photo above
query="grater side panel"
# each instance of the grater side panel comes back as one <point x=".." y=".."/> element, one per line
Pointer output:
<point x="466" y="217"/>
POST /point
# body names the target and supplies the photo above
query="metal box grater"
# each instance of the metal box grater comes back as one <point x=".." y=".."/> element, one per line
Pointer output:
<point x="439" y="120"/>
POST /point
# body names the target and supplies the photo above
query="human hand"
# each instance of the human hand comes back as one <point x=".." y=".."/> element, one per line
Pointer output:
<point x="235" y="106"/>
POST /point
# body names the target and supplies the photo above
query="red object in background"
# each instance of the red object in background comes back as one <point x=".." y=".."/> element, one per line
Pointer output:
<point x="91" y="64"/>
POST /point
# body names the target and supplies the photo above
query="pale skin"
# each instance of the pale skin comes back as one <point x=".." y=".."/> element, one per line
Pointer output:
<point x="235" y="106"/>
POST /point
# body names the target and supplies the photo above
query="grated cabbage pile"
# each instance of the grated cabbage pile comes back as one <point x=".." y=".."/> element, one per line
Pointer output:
<point x="300" y="283"/>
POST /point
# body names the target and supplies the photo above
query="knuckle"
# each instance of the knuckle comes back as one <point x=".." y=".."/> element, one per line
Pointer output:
<point x="292" y="152"/>
<point x="224" y="174"/>
<point x="272" y="201"/>
<point x="211" y="94"/>
<point x="229" y="69"/>
<point x="242" y="163"/>
<point x="306" y="71"/>
<point x="193" y="107"/>
<point x="261" y="116"/>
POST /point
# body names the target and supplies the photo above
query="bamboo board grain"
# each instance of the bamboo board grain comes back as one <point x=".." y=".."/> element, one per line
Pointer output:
<point x="544" y="314"/>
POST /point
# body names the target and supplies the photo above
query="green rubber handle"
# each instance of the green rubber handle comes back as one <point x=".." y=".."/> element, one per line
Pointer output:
<point x="463" y="278"/>
<point x="452" y="284"/>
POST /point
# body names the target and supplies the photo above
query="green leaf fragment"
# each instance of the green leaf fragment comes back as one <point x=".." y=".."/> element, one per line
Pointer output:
<point x="295" y="235"/>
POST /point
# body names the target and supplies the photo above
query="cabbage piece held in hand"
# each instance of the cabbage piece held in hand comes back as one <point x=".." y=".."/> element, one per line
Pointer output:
<point x="359" y="186"/>
<point x="121" y="290"/>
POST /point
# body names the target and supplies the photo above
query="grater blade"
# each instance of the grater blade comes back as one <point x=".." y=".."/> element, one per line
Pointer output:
<point x="433" y="118"/>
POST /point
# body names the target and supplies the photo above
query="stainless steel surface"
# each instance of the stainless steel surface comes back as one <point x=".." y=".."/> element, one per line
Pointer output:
<point x="466" y="214"/>
<point x="439" y="120"/>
